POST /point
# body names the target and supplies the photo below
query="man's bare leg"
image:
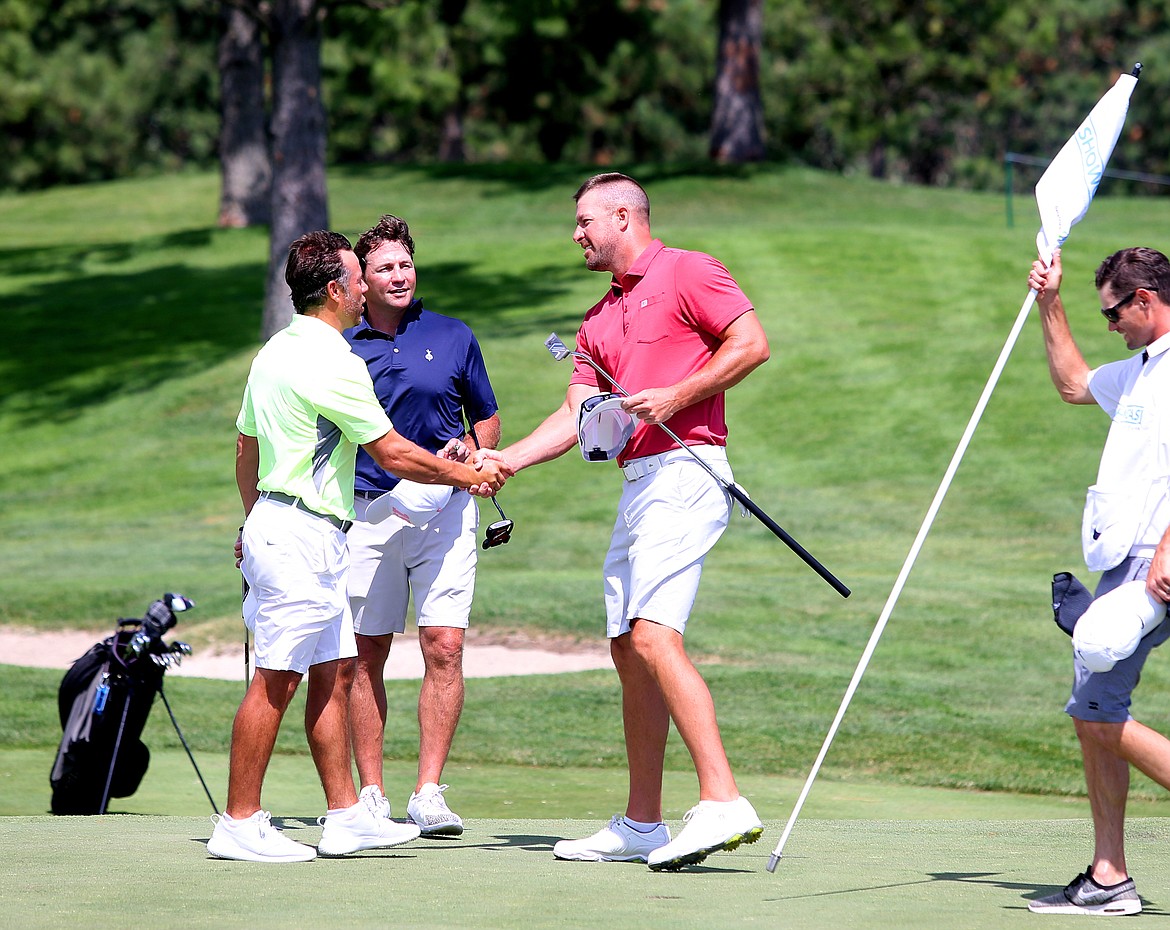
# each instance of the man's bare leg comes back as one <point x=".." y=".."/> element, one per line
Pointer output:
<point x="254" y="732"/>
<point x="440" y="699"/>
<point x="688" y="699"/>
<point x="646" y="722"/>
<point x="367" y="707"/>
<point x="1108" y="749"/>
<point x="327" y="729"/>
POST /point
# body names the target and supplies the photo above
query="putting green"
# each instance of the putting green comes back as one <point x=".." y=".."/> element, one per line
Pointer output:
<point x="154" y="871"/>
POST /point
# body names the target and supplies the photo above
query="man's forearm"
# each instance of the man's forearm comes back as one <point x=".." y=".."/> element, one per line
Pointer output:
<point x="485" y="434"/>
<point x="247" y="470"/>
<point x="1066" y="365"/>
<point x="401" y="457"/>
<point x="554" y="437"/>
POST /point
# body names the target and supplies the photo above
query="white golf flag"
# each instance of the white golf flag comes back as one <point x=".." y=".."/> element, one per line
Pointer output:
<point x="1066" y="189"/>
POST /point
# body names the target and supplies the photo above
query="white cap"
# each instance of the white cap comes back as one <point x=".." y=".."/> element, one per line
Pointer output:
<point x="1114" y="624"/>
<point x="412" y="502"/>
<point x="603" y="427"/>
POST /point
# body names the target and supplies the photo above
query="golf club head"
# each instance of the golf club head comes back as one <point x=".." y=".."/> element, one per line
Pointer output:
<point x="556" y="348"/>
<point x="498" y="534"/>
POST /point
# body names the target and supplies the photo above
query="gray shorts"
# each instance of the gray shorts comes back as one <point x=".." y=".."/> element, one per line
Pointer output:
<point x="1105" y="697"/>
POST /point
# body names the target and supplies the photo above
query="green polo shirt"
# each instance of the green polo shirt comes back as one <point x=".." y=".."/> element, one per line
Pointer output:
<point x="310" y="403"/>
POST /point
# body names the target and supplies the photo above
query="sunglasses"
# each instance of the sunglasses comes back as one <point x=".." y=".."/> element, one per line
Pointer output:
<point x="1113" y="314"/>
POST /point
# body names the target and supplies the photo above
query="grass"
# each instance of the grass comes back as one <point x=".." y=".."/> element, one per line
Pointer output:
<point x="903" y="874"/>
<point x="131" y="322"/>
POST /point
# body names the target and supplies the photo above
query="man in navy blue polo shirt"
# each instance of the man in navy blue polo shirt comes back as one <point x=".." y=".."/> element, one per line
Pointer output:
<point x="429" y="374"/>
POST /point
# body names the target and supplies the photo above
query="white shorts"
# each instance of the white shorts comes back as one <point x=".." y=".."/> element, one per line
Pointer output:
<point x="390" y="561"/>
<point x="667" y="523"/>
<point x="296" y="566"/>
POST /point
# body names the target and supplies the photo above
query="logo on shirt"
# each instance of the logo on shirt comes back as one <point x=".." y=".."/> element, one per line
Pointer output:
<point x="429" y="357"/>
<point x="1130" y="415"/>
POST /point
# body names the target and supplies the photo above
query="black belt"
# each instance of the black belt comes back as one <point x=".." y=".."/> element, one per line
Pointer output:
<point x="375" y="494"/>
<point x="282" y="498"/>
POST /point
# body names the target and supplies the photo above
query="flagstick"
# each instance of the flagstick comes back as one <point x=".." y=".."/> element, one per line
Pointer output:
<point x="906" y="568"/>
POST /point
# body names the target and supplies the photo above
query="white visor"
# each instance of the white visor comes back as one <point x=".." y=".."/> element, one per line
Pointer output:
<point x="1114" y="624"/>
<point x="603" y="428"/>
<point x="410" y="501"/>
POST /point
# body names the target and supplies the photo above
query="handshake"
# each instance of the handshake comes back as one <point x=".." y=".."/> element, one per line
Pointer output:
<point x="492" y="467"/>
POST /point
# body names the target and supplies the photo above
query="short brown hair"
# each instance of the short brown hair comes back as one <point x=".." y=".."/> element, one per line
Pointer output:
<point x="389" y="228"/>
<point x="622" y="189"/>
<point x="313" y="261"/>
<point x="1129" y="269"/>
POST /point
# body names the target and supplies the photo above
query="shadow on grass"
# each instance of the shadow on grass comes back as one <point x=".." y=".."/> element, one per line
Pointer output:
<point x="502" y="303"/>
<point x="1028" y="890"/>
<point x="530" y="842"/>
<point x="86" y="339"/>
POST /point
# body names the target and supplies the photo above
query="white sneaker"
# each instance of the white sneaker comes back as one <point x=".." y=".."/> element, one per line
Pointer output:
<point x="614" y="843"/>
<point x="255" y="839"/>
<point x="710" y="827"/>
<point x="376" y="801"/>
<point x="427" y="808"/>
<point x="359" y="827"/>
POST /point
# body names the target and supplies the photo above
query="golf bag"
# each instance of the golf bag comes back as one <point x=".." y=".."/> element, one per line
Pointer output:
<point x="103" y="702"/>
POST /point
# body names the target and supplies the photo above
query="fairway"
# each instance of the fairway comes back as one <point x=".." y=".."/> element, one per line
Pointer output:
<point x="154" y="871"/>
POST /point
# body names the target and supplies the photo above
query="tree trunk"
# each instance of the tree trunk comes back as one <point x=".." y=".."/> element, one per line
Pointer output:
<point x="299" y="197"/>
<point x="245" y="171"/>
<point x="451" y="148"/>
<point x="451" y="139"/>
<point x="737" y="122"/>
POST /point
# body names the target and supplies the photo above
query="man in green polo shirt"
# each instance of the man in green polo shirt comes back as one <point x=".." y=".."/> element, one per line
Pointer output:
<point x="307" y="406"/>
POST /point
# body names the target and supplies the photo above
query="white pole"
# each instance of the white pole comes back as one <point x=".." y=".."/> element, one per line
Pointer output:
<point x="906" y="567"/>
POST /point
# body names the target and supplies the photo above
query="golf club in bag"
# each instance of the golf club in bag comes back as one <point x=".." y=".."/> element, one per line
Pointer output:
<point x="103" y="703"/>
<point x="560" y="351"/>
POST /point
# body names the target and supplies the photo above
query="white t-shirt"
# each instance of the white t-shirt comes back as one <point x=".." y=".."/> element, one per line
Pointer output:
<point x="1136" y="457"/>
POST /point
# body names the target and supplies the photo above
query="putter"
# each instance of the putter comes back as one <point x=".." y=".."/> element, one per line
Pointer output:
<point x="500" y="532"/>
<point x="560" y="351"/>
<point x="247" y="633"/>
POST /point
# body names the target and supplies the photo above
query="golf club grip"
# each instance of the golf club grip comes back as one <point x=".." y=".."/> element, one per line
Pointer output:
<point x="779" y="531"/>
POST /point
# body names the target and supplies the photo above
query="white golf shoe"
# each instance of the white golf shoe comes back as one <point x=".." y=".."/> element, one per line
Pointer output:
<point x="710" y="827"/>
<point x="376" y="801"/>
<point x="615" y="842"/>
<point x="255" y="839"/>
<point x="427" y="808"/>
<point x="361" y="827"/>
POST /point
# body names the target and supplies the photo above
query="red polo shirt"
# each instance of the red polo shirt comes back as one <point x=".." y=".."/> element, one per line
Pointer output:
<point x="660" y="323"/>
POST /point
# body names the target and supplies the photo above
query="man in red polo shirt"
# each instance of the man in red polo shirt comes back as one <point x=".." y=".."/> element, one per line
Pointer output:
<point x="676" y="331"/>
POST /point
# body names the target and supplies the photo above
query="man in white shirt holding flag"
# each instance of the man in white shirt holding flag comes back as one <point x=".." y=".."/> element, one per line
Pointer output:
<point x="1126" y="512"/>
<point x="1126" y="536"/>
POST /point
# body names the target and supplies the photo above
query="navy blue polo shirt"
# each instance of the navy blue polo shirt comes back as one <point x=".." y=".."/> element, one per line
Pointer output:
<point x="426" y="376"/>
